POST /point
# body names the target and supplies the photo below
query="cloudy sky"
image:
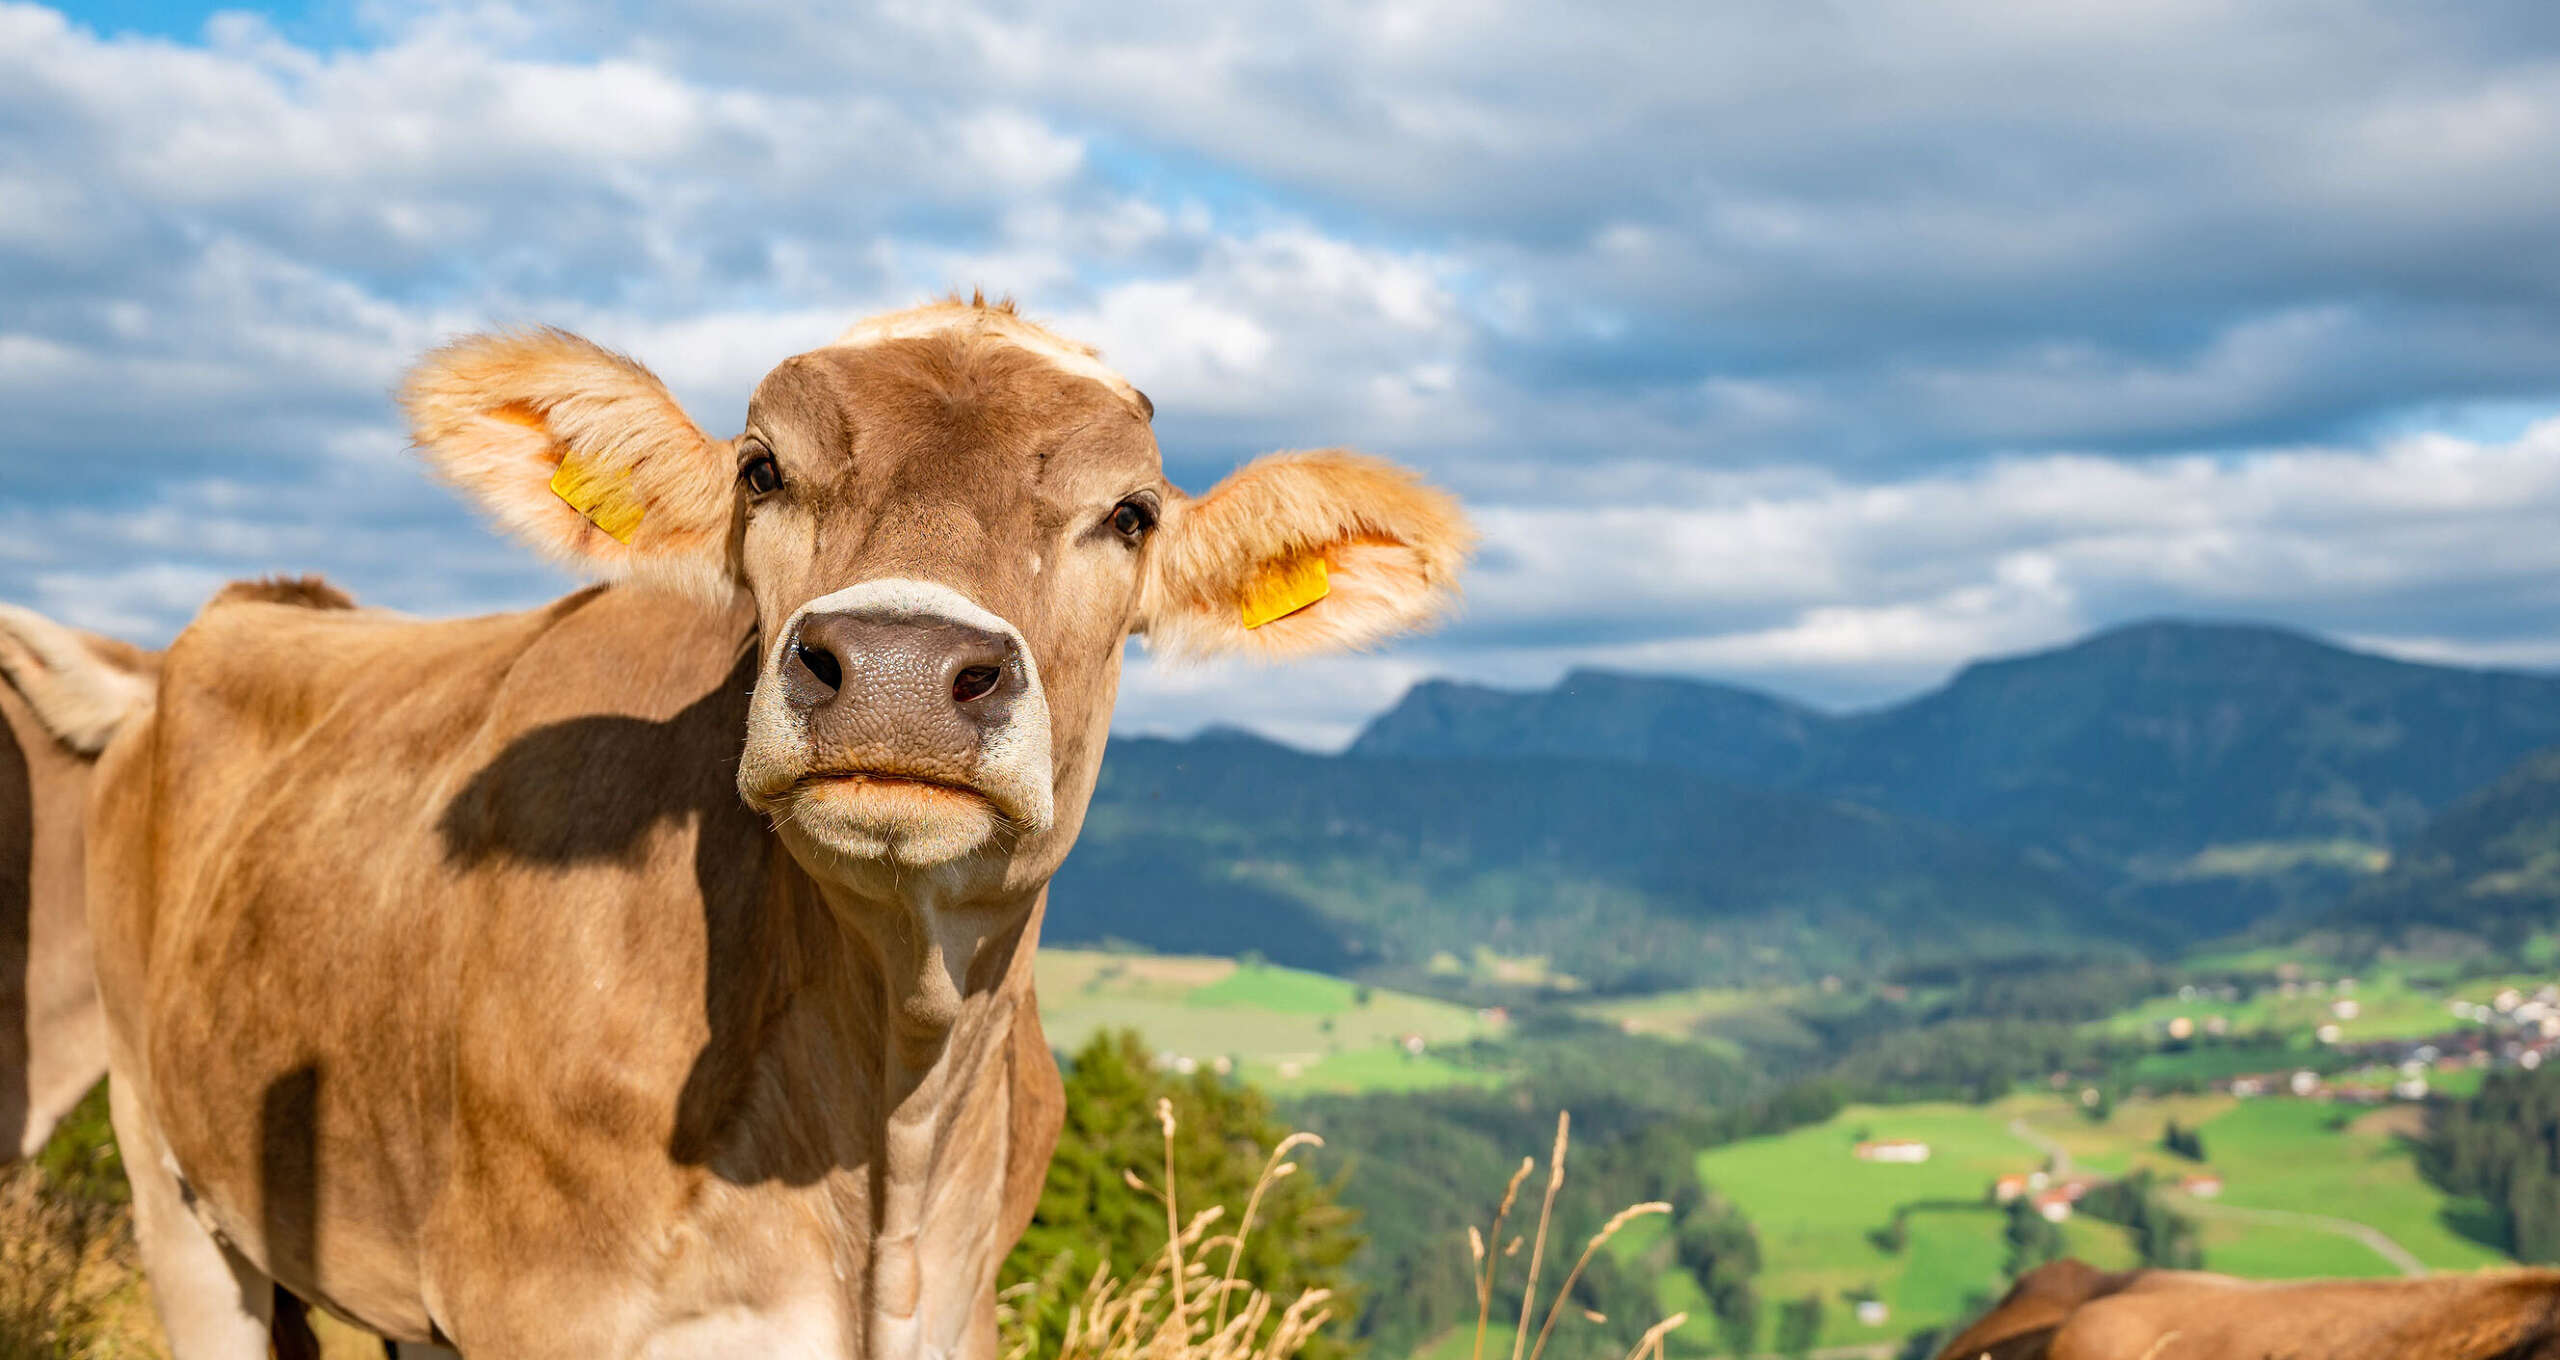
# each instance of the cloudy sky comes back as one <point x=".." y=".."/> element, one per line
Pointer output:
<point x="1815" y="346"/>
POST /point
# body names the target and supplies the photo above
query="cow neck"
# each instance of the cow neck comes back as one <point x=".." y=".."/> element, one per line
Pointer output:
<point x="944" y="982"/>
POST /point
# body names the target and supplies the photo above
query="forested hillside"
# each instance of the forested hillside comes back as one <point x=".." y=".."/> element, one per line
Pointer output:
<point x="2488" y="868"/>
<point x="2141" y="745"/>
<point x="1622" y="877"/>
<point x="2190" y="778"/>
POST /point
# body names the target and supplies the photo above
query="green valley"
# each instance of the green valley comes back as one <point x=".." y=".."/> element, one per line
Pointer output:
<point x="1281" y="1028"/>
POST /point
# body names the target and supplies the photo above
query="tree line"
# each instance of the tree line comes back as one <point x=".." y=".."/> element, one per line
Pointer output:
<point x="2502" y="1145"/>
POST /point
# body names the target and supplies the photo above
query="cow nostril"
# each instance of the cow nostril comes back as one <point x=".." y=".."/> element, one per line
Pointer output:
<point x="975" y="683"/>
<point x="822" y="664"/>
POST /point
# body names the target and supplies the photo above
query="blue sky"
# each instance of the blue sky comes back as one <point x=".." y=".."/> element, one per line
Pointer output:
<point x="1818" y="348"/>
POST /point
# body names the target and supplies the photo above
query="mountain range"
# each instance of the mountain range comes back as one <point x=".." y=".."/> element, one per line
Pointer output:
<point x="2487" y="868"/>
<point x="2153" y="783"/>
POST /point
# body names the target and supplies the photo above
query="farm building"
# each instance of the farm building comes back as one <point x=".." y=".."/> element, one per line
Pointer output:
<point x="1893" y="1150"/>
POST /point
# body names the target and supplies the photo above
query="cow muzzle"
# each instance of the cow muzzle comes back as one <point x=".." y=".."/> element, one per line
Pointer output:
<point x="899" y="720"/>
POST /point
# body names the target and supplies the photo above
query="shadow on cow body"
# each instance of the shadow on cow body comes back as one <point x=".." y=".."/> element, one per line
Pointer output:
<point x="2071" y="1311"/>
<point x="598" y="789"/>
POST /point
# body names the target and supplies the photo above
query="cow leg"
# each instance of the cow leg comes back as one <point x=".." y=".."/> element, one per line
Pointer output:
<point x="411" y="1350"/>
<point x="291" y="1330"/>
<point x="213" y="1305"/>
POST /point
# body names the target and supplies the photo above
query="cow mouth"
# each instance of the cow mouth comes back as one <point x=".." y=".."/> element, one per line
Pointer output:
<point x="875" y="815"/>
<point x="886" y="781"/>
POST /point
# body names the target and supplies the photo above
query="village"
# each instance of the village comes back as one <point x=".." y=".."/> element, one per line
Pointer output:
<point x="2510" y="1026"/>
<point x="2513" y="1025"/>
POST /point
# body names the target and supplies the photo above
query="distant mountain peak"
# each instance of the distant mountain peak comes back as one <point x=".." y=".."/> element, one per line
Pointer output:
<point x="1230" y="734"/>
<point x="2204" y="633"/>
<point x="2153" y="738"/>
<point x="1616" y="681"/>
<point x="1722" y="730"/>
<point x="2172" y="625"/>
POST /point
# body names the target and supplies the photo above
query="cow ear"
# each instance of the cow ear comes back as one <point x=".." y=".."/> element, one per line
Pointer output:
<point x="1301" y="553"/>
<point x="582" y="453"/>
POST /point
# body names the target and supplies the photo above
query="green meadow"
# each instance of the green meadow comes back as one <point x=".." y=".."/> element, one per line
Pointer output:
<point x="2296" y="1156"/>
<point x="1814" y="1203"/>
<point x="1281" y="1028"/>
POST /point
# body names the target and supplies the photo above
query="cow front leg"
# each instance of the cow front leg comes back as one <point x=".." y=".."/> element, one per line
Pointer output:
<point x="213" y="1304"/>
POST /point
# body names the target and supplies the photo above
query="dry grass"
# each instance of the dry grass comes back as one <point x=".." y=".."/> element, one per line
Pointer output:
<point x="1187" y="1306"/>
<point x="69" y="1287"/>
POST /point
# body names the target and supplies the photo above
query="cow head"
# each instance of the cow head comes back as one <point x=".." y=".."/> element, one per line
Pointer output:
<point x="948" y="520"/>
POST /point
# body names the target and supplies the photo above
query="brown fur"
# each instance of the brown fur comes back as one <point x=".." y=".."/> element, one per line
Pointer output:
<point x="79" y="687"/>
<point x="308" y="592"/>
<point x="447" y="965"/>
<point x="52" y="1036"/>
<point x="2067" y="1311"/>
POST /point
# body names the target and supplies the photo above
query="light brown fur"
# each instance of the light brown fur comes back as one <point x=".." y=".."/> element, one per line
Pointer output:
<point x="52" y="1036"/>
<point x="495" y="406"/>
<point x="451" y="984"/>
<point x="1388" y="539"/>
<point x="2067" y="1311"/>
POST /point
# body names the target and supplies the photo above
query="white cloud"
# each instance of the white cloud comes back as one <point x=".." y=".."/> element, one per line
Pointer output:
<point x="1752" y="332"/>
<point x="1859" y="592"/>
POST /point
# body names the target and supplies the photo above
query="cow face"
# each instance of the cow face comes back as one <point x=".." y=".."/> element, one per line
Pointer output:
<point x="948" y="522"/>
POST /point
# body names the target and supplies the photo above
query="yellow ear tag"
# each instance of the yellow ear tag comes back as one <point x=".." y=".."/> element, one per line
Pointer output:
<point x="599" y="497"/>
<point x="1283" y="588"/>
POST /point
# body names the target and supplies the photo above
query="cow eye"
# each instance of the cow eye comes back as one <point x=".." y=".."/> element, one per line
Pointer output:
<point x="1132" y="518"/>
<point x="762" y="475"/>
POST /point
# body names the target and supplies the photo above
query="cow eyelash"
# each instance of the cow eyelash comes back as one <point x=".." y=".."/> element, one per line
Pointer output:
<point x="761" y="472"/>
<point x="1132" y="518"/>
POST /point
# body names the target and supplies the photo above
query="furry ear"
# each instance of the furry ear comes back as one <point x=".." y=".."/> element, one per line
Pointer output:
<point x="1301" y="553"/>
<point x="580" y="452"/>
<point x="81" y="686"/>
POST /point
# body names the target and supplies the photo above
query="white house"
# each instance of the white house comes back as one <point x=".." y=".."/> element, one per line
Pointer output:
<point x="1893" y="1150"/>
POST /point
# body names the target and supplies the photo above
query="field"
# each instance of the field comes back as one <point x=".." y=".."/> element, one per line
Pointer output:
<point x="1689" y="1014"/>
<point x="2212" y="1062"/>
<point x="2289" y="1156"/>
<point x="1814" y="1202"/>
<point x="1748" y="1023"/>
<point x="1280" y="1028"/>
<point x="2388" y="1006"/>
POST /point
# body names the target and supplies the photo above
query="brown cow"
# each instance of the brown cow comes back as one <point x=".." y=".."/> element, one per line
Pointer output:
<point x="649" y="974"/>
<point x="2070" y="1311"/>
<point x="65" y="691"/>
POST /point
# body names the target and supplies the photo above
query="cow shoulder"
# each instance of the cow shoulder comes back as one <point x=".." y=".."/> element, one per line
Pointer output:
<point x="2023" y="1322"/>
<point x="594" y="820"/>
